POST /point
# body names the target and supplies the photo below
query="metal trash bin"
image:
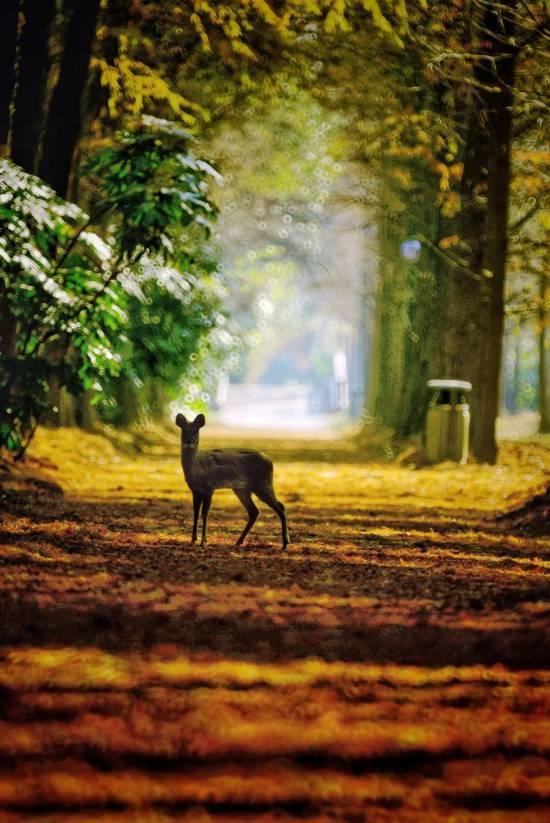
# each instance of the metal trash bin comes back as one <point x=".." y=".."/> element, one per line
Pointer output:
<point x="448" y="423"/>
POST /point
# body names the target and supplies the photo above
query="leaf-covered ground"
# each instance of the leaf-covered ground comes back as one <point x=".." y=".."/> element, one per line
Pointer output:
<point x="392" y="665"/>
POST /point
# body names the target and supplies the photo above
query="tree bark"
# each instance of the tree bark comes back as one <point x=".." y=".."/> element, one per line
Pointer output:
<point x="516" y="385"/>
<point x="495" y="255"/>
<point x="8" y="50"/>
<point x="127" y="401"/>
<point x="156" y="399"/>
<point x="64" y="120"/>
<point x="475" y="299"/>
<point x="464" y="298"/>
<point x="424" y="332"/>
<point x="371" y="365"/>
<point x="8" y="326"/>
<point x="30" y="96"/>
<point x="407" y="329"/>
<point x="9" y="16"/>
<point x="413" y="290"/>
<point x="391" y="320"/>
<point x="544" y="356"/>
<point x="86" y="415"/>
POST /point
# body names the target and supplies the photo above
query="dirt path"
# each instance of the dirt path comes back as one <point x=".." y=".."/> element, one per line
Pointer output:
<point x="392" y="665"/>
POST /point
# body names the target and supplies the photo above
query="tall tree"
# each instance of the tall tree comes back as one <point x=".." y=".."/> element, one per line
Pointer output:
<point x="468" y="53"/>
<point x="544" y="355"/>
<point x="64" y="120"/>
<point x="472" y="347"/>
<point x="29" y="107"/>
<point x="395" y="125"/>
<point x="8" y="46"/>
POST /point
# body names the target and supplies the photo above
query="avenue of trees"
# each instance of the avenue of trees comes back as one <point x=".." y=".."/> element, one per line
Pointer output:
<point x="111" y="288"/>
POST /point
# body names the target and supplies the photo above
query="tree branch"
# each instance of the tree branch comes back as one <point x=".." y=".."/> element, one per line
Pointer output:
<point x="524" y="219"/>
<point x="456" y="264"/>
<point x="526" y="125"/>
<point x="76" y="236"/>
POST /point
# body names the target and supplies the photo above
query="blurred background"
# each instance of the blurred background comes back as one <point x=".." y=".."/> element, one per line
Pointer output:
<point x="288" y="216"/>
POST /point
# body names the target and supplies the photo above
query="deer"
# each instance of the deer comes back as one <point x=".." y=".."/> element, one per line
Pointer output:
<point x="245" y="471"/>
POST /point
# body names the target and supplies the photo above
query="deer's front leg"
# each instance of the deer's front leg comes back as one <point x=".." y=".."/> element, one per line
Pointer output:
<point x="197" y="500"/>
<point x="206" y="500"/>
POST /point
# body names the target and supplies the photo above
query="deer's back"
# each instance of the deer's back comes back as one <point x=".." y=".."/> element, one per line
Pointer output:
<point x="231" y="469"/>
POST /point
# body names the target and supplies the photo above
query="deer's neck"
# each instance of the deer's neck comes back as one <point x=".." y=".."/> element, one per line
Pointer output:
<point x="188" y="457"/>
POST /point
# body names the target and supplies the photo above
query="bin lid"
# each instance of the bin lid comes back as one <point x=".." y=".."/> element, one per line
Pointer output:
<point x="465" y="385"/>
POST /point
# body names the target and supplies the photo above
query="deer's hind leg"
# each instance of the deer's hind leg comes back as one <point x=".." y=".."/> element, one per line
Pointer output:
<point x="267" y="495"/>
<point x="253" y="512"/>
<point x="206" y="501"/>
<point x="197" y="503"/>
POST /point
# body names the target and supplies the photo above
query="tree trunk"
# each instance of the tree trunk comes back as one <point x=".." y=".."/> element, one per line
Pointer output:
<point x="127" y="401"/>
<point x="371" y="365"/>
<point x="503" y="392"/>
<point x="64" y="120"/>
<point x="8" y="327"/>
<point x="391" y="320"/>
<point x="544" y="356"/>
<point x="8" y="341"/>
<point x="495" y="254"/>
<point x="516" y="382"/>
<point x="475" y="299"/>
<point x="464" y="298"/>
<point x="407" y="329"/>
<point x="66" y="408"/>
<point x="85" y="411"/>
<point x="31" y="86"/>
<point x="424" y="332"/>
<point x="413" y="288"/>
<point x="61" y="407"/>
<point x="155" y="399"/>
<point x="9" y="17"/>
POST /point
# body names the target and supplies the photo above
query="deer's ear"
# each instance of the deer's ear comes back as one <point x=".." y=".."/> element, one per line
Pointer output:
<point x="180" y="420"/>
<point x="199" y="421"/>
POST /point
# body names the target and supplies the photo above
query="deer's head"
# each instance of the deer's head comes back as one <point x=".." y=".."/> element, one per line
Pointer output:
<point x="190" y="429"/>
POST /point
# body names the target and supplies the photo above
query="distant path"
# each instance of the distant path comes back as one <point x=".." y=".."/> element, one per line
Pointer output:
<point x="393" y="661"/>
<point x="282" y="408"/>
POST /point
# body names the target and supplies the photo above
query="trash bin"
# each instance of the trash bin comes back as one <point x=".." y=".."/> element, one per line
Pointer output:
<point x="448" y="423"/>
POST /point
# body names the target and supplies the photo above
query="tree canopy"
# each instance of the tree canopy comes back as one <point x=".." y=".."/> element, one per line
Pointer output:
<point x="430" y="117"/>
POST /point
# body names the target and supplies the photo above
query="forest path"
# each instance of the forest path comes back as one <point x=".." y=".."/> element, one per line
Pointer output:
<point x="391" y="665"/>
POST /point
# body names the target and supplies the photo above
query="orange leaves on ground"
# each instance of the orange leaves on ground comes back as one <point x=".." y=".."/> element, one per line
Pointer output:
<point x="254" y="785"/>
<point x="247" y="676"/>
<point x="90" y="466"/>
<point x="92" y="668"/>
<point x="208" y="714"/>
